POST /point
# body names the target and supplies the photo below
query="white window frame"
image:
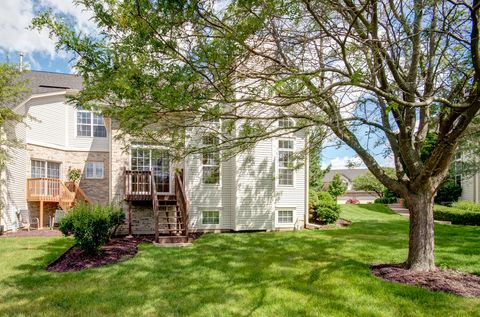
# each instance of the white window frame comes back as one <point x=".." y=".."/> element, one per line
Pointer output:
<point x="91" y="113"/>
<point x="219" y="165"/>
<point x="150" y="148"/>
<point x="290" y="122"/>
<point x="284" y="224"/>
<point x="278" y="168"/>
<point x="45" y="167"/>
<point x="94" y="166"/>
<point x="202" y="218"/>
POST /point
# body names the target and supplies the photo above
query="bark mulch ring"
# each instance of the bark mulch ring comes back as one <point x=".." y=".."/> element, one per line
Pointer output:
<point x="450" y="281"/>
<point x="321" y="226"/>
<point x="115" y="250"/>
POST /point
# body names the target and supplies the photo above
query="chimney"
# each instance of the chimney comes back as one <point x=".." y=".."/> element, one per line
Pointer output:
<point x="21" y="61"/>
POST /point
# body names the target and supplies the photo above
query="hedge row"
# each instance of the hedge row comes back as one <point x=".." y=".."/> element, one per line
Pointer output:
<point x="456" y="216"/>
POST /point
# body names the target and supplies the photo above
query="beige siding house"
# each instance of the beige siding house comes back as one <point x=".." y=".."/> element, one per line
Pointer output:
<point x="251" y="191"/>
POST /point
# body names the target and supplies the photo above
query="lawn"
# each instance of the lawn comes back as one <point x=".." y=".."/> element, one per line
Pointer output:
<point x="304" y="273"/>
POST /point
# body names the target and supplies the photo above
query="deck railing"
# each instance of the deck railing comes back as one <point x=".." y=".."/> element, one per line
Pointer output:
<point x="46" y="189"/>
<point x="138" y="185"/>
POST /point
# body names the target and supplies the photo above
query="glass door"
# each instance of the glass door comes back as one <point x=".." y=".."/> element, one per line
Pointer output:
<point x="155" y="160"/>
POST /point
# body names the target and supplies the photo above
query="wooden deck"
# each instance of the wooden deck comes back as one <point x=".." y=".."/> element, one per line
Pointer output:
<point x="46" y="190"/>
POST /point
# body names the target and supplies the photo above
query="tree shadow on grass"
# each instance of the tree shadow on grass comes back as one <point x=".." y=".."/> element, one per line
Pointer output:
<point x="297" y="273"/>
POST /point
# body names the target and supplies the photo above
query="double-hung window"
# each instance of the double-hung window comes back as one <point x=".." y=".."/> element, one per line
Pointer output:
<point x="90" y="124"/>
<point x="285" y="162"/>
<point x="94" y="170"/>
<point x="285" y="123"/>
<point x="210" y="160"/>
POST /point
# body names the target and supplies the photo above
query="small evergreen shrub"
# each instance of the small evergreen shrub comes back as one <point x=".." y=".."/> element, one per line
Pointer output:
<point x="448" y="192"/>
<point x="328" y="214"/>
<point x="467" y="206"/>
<point x="385" y="200"/>
<point x="92" y="225"/>
<point x="327" y="209"/>
<point x="456" y="216"/>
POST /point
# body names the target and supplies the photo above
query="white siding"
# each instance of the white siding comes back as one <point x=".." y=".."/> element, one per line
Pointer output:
<point x="47" y="125"/>
<point x="292" y="197"/>
<point x="254" y="179"/>
<point x="53" y="124"/>
<point x="208" y="196"/>
<point x="15" y="179"/>
<point x="89" y="143"/>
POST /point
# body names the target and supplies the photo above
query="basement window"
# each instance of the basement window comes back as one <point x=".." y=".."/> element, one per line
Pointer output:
<point x="285" y="216"/>
<point x="94" y="170"/>
<point x="210" y="217"/>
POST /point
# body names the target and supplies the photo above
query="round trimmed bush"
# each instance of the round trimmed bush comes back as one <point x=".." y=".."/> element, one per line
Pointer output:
<point x="328" y="214"/>
<point x="91" y="225"/>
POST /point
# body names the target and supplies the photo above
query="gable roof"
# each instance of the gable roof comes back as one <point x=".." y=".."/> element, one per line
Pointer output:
<point x="39" y="82"/>
<point x="348" y="173"/>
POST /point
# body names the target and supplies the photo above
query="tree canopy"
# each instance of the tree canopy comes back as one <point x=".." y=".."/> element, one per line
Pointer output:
<point x="379" y="74"/>
<point x="369" y="182"/>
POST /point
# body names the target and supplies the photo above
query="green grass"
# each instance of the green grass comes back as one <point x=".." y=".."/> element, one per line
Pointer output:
<point x="304" y="273"/>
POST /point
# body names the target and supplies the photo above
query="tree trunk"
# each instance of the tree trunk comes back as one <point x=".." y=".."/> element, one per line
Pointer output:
<point x="421" y="240"/>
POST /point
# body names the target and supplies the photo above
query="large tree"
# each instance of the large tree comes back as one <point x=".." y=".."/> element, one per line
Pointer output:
<point x="12" y="88"/>
<point x="375" y="72"/>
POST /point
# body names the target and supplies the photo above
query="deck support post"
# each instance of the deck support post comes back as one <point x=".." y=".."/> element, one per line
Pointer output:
<point x="157" y="229"/>
<point x="40" y="225"/>
<point x="130" y="219"/>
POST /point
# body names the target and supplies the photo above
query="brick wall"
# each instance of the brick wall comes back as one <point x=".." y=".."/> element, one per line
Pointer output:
<point x="96" y="189"/>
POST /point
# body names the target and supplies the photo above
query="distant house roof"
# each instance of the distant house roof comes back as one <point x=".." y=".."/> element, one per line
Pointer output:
<point x="39" y="82"/>
<point x="348" y="173"/>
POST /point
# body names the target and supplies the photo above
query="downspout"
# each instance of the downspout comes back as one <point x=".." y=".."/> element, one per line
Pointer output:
<point x="307" y="181"/>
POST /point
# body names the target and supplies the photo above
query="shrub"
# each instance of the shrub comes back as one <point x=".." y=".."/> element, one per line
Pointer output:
<point x="385" y="200"/>
<point x="467" y="206"/>
<point x="327" y="209"/>
<point x="448" y="192"/>
<point x="353" y="201"/>
<point x="92" y="225"/>
<point x="456" y="216"/>
<point x="328" y="214"/>
<point x="74" y="174"/>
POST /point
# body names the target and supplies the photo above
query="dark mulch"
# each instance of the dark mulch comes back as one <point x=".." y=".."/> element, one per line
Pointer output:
<point x="115" y="250"/>
<point x="450" y="281"/>
<point x="339" y="223"/>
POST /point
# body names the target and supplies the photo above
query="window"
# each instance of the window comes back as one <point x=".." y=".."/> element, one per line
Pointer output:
<point x="458" y="168"/>
<point x="90" y="124"/>
<point x="285" y="216"/>
<point x="211" y="217"/>
<point x="285" y="123"/>
<point x="151" y="159"/>
<point x="211" y="161"/>
<point x="285" y="162"/>
<point x="94" y="170"/>
<point x="40" y="169"/>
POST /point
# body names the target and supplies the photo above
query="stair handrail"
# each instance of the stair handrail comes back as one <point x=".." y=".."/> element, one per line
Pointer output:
<point x="153" y="194"/>
<point x="182" y="200"/>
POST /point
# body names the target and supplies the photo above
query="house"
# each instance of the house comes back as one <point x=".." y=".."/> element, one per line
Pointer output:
<point x="347" y="176"/>
<point x="470" y="187"/>
<point x="255" y="190"/>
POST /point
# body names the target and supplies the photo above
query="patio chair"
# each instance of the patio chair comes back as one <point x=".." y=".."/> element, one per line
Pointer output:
<point x="26" y="221"/>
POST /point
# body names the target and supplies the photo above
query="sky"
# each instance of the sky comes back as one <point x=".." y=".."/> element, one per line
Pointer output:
<point x="40" y="52"/>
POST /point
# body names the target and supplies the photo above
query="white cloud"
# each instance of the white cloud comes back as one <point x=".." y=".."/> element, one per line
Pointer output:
<point x="345" y="162"/>
<point x="17" y="16"/>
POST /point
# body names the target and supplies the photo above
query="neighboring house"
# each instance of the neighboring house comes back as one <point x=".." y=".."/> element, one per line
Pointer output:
<point x="251" y="191"/>
<point x="347" y="176"/>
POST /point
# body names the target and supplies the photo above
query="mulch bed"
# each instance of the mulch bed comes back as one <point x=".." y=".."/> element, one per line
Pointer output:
<point x="115" y="250"/>
<point x="445" y="280"/>
<point x="33" y="233"/>
<point x="339" y="223"/>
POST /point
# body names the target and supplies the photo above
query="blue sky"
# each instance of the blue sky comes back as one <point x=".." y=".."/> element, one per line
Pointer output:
<point x="40" y="54"/>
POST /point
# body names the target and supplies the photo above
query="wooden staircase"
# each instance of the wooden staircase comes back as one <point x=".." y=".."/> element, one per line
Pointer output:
<point x="171" y="214"/>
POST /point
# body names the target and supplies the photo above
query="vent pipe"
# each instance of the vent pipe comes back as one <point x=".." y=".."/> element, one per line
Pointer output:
<point x="21" y="61"/>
